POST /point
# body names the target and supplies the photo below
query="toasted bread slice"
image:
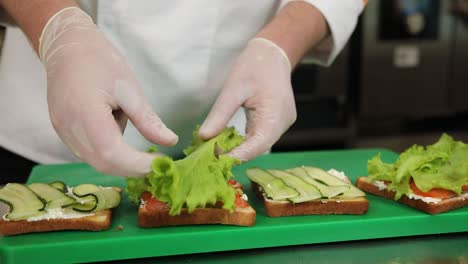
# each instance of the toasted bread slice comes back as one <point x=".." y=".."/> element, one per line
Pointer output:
<point x="444" y="205"/>
<point x="96" y="222"/>
<point x="161" y="217"/>
<point x="154" y="213"/>
<point x="358" y="205"/>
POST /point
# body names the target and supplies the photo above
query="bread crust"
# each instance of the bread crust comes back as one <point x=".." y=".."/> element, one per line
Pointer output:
<point x="445" y="205"/>
<point x="357" y="206"/>
<point x="96" y="222"/>
<point x="161" y="217"/>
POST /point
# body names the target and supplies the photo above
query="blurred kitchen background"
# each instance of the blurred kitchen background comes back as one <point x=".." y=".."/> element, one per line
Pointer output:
<point x="402" y="79"/>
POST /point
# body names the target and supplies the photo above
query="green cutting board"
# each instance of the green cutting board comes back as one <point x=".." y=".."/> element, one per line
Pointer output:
<point x="384" y="219"/>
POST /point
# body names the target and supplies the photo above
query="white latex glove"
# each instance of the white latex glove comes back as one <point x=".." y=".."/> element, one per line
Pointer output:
<point x="91" y="91"/>
<point x="260" y="81"/>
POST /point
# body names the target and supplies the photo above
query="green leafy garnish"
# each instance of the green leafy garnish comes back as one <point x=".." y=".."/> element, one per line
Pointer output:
<point x="441" y="165"/>
<point x="152" y="149"/>
<point x="198" y="180"/>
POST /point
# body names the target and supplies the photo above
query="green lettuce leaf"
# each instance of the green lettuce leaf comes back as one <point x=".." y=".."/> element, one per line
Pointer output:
<point x="441" y="165"/>
<point x="379" y="170"/>
<point x="135" y="187"/>
<point x="198" y="180"/>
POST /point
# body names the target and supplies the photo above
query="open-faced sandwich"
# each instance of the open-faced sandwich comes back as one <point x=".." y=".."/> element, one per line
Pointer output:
<point x="197" y="189"/>
<point x="433" y="179"/>
<point x="306" y="191"/>
<point x="41" y="207"/>
<point x="154" y="213"/>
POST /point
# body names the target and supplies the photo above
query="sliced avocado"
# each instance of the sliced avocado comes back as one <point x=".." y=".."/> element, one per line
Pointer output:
<point x="307" y="192"/>
<point x="273" y="187"/>
<point x="326" y="190"/>
<point x="331" y="180"/>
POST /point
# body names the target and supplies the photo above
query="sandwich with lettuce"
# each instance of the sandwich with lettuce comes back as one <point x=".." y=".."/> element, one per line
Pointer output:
<point x="197" y="189"/>
<point x="431" y="178"/>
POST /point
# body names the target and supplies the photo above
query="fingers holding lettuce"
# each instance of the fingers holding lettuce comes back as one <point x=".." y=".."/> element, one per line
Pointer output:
<point x="259" y="81"/>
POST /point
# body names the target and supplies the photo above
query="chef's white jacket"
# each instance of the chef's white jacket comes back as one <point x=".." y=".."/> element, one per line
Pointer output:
<point x="179" y="50"/>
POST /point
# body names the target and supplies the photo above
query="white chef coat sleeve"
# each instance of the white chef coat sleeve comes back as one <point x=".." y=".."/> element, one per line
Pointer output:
<point x="341" y="16"/>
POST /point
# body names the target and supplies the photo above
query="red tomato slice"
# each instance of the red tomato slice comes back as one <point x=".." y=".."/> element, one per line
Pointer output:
<point x="146" y="196"/>
<point x="435" y="192"/>
<point x="465" y="188"/>
<point x="151" y="203"/>
<point x="239" y="202"/>
<point x="235" y="184"/>
<point x="232" y="182"/>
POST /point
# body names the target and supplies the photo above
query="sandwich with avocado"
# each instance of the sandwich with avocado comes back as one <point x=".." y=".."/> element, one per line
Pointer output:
<point x="42" y="207"/>
<point x="306" y="191"/>
<point x="197" y="189"/>
<point x="432" y="178"/>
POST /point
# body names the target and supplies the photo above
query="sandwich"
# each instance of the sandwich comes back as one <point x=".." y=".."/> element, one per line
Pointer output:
<point x="306" y="191"/>
<point x="42" y="207"/>
<point x="155" y="213"/>
<point x="432" y="178"/>
<point x="197" y="189"/>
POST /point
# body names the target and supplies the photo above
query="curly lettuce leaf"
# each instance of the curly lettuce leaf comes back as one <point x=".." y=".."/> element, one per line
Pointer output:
<point x="379" y="170"/>
<point x="441" y="165"/>
<point x="198" y="180"/>
<point x="135" y="187"/>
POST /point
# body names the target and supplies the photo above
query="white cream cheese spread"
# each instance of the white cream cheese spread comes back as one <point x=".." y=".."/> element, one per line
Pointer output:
<point x="244" y="196"/>
<point x="339" y="174"/>
<point x="382" y="186"/>
<point x="58" y="213"/>
<point x="424" y="199"/>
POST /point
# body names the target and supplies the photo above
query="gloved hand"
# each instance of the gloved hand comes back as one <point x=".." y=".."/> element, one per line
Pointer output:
<point x="91" y="91"/>
<point x="259" y="80"/>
